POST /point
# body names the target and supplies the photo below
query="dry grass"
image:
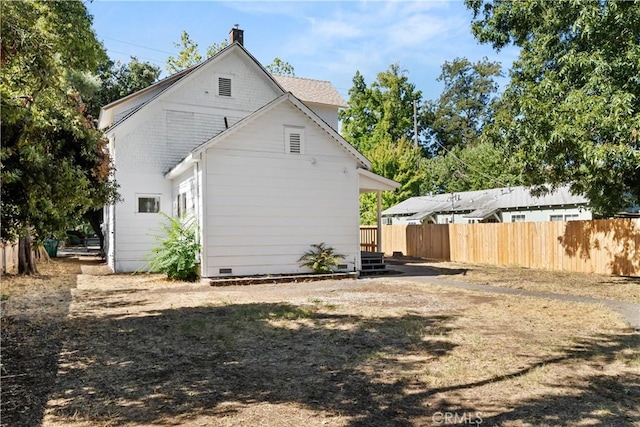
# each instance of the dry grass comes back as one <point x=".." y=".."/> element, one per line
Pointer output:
<point x="138" y="350"/>
<point x="567" y="283"/>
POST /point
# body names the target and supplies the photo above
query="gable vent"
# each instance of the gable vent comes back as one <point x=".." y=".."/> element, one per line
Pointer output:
<point x="295" y="142"/>
<point x="224" y="86"/>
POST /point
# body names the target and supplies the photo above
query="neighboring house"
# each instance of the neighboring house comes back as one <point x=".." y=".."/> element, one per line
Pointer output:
<point x="255" y="158"/>
<point x="510" y="204"/>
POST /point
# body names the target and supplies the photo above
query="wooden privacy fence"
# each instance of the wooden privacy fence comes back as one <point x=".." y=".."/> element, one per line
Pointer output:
<point x="609" y="246"/>
<point x="9" y="255"/>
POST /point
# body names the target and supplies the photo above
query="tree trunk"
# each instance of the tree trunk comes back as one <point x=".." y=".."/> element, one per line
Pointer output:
<point x="26" y="260"/>
<point x="94" y="217"/>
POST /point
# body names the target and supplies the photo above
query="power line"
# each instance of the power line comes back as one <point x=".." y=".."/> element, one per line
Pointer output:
<point x="140" y="46"/>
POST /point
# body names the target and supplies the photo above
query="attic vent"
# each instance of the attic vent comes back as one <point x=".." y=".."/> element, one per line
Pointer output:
<point x="294" y="143"/>
<point x="224" y="86"/>
<point x="294" y="139"/>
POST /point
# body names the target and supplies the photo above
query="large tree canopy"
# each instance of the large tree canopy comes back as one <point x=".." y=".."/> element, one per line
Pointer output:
<point x="572" y="109"/>
<point x="54" y="167"/>
<point x="459" y="115"/>
<point x="384" y="110"/>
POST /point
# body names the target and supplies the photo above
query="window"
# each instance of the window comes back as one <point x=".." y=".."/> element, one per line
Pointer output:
<point x="148" y="204"/>
<point x="387" y="220"/>
<point x="571" y="217"/>
<point x="555" y="218"/>
<point x="517" y="218"/>
<point x="182" y="204"/>
<point x="294" y="140"/>
<point x="224" y="86"/>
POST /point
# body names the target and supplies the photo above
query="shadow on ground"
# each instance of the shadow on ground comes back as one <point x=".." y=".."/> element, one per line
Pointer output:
<point x="32" y="337"/>
<point x="188" y="362"/>
<point x="415" y="267"/>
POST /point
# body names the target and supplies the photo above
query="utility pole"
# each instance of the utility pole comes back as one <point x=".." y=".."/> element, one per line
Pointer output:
<point x="415" y="122"/>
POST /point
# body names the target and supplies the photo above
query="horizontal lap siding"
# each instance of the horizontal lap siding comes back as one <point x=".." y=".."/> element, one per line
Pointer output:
<point x="266" y="207"/>
<point x="158" y="136"/>
<point x="135" y="232"/>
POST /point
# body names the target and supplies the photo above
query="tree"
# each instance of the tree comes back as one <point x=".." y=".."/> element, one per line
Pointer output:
<point x="187" y="57"/>
<point x="281" y="68"/>
<point x="459" y="115"/>
<point x="216" y="47"/>
<point x="400" y="161"/>
<point x="475" y="167"/>
<point x="54" y="166"/>
<point x="116" y="80"/>
<point x="385" y="108"/>
<point x="571" y="111"/>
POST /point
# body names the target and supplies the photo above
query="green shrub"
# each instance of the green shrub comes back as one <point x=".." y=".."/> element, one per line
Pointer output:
<point x="320" y="258"/>
<point x="177" y="250"/>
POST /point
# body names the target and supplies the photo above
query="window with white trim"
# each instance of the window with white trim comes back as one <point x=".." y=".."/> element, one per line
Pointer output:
<point x="571" y="217"/>
<point x="294" y="140"/>
<point x="148" y="204"/>
<point x="224" y="86"/>
<point x="555" y="218"/>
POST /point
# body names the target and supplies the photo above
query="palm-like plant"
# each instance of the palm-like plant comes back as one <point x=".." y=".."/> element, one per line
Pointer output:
<point x="320" y="258"/>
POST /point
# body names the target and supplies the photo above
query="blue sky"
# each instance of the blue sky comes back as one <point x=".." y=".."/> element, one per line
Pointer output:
<point x="325" y="40"/>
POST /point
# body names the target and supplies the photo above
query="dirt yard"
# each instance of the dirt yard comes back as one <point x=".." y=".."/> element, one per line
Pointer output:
<point x="95" y="350"/>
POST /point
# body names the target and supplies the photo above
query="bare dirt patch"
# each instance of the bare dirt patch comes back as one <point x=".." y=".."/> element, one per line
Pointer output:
<point x="138" y="350"/>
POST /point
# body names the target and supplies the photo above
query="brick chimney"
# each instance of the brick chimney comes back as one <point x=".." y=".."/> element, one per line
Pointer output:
<point x="236" y="35"/>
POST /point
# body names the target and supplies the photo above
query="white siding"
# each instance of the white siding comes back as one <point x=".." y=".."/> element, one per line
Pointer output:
<point x="135" y="231"/>
<point x="539" y="215"/>
<point x="158" y="136"/>
<point x="265" y="207"/>
<point x="327" y="113"/>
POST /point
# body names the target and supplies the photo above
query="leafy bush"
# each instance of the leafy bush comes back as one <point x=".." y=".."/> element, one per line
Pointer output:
<point x="177" y="251"/>
<point x="320" y="258"/>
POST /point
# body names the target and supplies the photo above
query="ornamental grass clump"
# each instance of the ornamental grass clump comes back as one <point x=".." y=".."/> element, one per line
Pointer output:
<point x="320" y="258"/>
<point x="177" y="250"/>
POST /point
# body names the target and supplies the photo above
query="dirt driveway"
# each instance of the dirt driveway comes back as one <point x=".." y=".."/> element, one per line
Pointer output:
<point x="138" y="350"/>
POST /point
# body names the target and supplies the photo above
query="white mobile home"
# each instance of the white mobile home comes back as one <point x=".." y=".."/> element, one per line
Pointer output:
<point x="256" y="159"/>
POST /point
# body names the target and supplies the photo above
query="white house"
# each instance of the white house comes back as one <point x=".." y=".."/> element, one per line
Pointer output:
<point x="255" y="158"/>
<point x="509" y="204"/>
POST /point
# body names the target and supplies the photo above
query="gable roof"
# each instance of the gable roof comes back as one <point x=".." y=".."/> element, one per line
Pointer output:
<point x="315" y="91"/>
<point x="174" y="81"/>
<point x="309" y="90"/>
<point x="183" y="165"/>
<point x="484" y="203"/>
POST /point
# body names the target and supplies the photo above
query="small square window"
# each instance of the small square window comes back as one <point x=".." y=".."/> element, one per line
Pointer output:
<point x="224" y="86"/>
<point x="149" y="204"/>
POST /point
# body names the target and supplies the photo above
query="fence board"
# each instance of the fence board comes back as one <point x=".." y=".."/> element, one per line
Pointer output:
<point x="610" y="246"/>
